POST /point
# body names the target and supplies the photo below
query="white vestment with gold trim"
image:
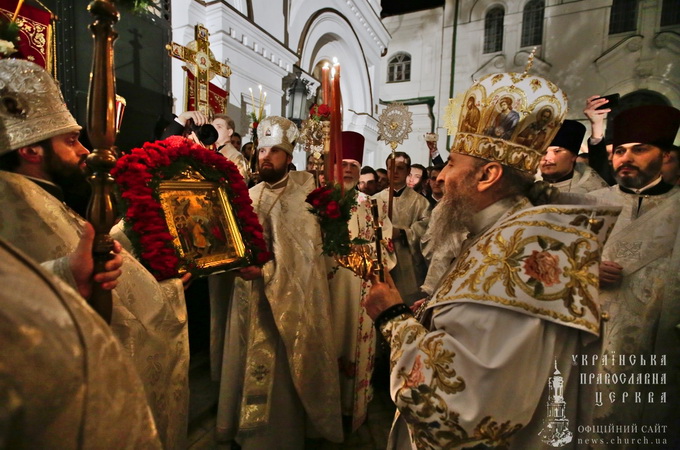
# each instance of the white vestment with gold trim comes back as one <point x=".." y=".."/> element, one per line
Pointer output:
<point x="234" y="155"/>
<point x="279" y="381"/>
<point x="644" y="312"/>
<point x="411" y="213"/>
<point x="517" y="304"/>
<point x="149" y="318"/>
<point x="65" y="380"/>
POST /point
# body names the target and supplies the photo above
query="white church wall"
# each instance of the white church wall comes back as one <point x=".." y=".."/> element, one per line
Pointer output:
<point x="420" y="35"/>
<point x="577" y="52"/>
<point x="270" y="16"/>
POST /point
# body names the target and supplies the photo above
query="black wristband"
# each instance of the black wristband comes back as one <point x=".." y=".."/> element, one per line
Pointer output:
<point x="392" y="312"/>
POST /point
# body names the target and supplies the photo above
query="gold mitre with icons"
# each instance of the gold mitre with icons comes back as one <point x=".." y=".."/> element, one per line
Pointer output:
<point x="509" y="118"/>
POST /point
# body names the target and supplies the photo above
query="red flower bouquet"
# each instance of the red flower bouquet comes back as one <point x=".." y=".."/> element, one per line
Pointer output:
<point x="138" y="177"/>
<point x="333" y="207"/>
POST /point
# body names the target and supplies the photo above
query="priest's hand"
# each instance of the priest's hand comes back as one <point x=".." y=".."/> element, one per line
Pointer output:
<point x="611" y="274"/>
<point x="186" y="280"/>
<point x="432" y="145"/>
<point x="81" y="264"/>
<point x="417" y="304"/>
<point x="381" y="296"/>
<point x="250" y="273"/>
<point x="597" y="117"/>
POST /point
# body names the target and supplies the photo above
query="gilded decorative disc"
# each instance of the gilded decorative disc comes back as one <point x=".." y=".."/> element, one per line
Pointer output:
<point x="395" y="124"/>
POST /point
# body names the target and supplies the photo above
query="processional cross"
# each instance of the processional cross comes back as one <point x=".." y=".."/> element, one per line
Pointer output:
<point x="201" y="63"/>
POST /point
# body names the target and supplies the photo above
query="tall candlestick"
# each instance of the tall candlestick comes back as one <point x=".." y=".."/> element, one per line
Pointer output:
<point x="336" y="124"/>
<point x="330" y="157"/>
<point x="325" y="84"/>
<point x="16" y="11"/>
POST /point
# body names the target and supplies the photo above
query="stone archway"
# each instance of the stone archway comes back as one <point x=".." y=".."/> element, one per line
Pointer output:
<point x="327" y="35"/>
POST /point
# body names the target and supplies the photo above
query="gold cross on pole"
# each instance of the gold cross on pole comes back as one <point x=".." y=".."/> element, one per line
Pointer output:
<point x="202" y="64"/>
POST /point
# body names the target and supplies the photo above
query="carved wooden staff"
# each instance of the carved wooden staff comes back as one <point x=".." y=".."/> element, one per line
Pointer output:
<point x="101" y="129"/>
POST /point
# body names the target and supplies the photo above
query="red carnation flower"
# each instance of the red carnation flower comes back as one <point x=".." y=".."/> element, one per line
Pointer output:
<point x="333" y="210"/>
<point x="324" y="110"/>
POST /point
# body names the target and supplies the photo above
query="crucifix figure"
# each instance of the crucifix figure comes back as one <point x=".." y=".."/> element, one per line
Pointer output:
<point x="202" y="64"/>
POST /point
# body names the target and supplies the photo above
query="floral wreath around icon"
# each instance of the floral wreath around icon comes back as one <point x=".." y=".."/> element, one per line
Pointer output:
<point x="139" y="175"/>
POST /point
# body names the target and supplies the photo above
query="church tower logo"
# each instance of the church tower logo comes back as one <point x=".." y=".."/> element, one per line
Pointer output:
<point x="555" y="430"/>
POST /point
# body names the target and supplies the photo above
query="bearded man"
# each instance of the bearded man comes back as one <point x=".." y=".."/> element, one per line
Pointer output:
<point x="279" y="374"/>
<point x="440" y="246"/>
<point x="639" y="272"/>
<point x="559" y="166"/>
<point x="39" y="148"/>
<point x="354" y="335"/>
<point x="512" y="305"/>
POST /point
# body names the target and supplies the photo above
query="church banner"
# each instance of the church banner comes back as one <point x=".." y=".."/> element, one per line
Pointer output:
<point x="36" y="34"/>
<point x="217" y="97"/>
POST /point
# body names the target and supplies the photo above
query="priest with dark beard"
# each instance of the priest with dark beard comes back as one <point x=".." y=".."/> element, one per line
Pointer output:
<point x="40" y="158"/>
<point x="279" y="380"/>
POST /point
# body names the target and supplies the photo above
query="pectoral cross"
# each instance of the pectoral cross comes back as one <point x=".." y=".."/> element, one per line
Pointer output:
<point x="201" y="63"/>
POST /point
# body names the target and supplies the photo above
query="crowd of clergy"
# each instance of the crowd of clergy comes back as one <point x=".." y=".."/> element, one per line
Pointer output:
<point x="523" y="274"/>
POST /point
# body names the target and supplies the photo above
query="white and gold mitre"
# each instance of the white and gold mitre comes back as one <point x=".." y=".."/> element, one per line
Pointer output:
<point x="510" y="118"/>
<point x="276" y="131"/>
<point x="32" y="108"/>
<point x="541" y="261"/>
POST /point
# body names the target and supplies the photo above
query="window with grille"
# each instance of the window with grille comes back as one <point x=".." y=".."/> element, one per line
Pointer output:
<point x="623" y="16"/>
<point x="532" y="23"/>
<point x="399" y="68"/>
<point x="670" y="13"/>
<point x="493" y="30"/>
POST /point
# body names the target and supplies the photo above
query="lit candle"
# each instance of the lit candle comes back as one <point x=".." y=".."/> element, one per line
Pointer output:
<point x="263" y="98"/>
<point x="252" y="98"/>
<point x="325" y="84"/>
<point x="336" y="67"/>
<point x="336" y="123"/>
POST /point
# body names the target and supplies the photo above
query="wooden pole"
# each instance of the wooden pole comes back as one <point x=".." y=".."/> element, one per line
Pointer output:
<point x="101" y="129"/>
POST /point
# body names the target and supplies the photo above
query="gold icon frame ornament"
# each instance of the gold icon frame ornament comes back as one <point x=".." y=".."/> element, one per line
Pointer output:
<point x="205" y="233"/>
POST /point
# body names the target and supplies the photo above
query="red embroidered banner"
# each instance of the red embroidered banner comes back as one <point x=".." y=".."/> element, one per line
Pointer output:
<point x="36" y="40"/>
<point x="217" y="97"/>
